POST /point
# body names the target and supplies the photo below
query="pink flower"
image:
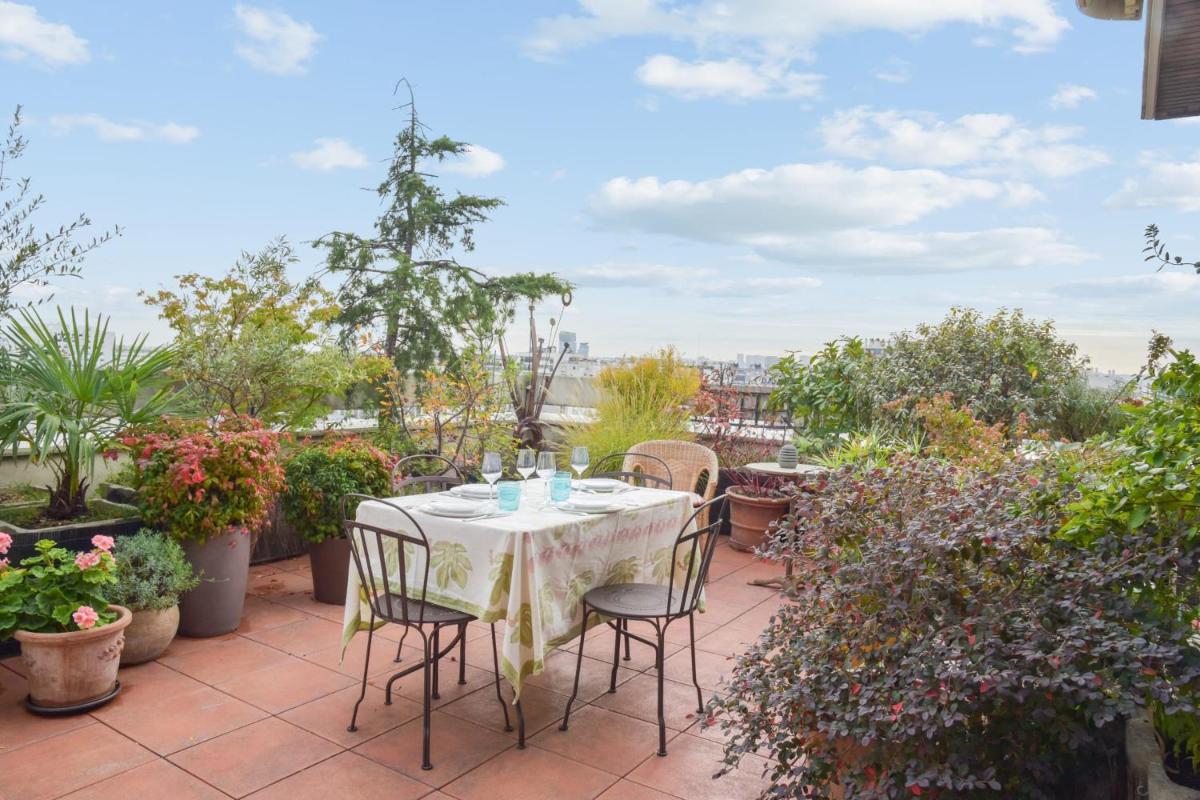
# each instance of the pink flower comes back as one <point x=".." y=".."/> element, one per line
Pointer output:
<point x="105" y="543"/>
<point x="87" y="560"/>
<point x="85" y="617"/>
<point x="3" y="564"/>
<point x="5" y="542"/>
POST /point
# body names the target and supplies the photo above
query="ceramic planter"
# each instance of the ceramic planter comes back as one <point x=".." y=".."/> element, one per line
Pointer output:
<point x="330" y="562"/>
<point x="750" y="518"/>
<point x="148" y="635"/>
<point x="215" y="606"/>
<point x="76" y="670"/>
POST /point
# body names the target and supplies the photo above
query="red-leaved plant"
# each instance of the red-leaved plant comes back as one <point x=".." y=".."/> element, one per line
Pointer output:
<point x="195" y="482"/>
<point x="945" y="641"/>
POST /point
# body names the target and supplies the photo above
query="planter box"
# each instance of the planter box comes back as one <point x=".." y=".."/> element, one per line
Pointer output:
<point x="75" y="536"/>
<point x="1147" y="778"/>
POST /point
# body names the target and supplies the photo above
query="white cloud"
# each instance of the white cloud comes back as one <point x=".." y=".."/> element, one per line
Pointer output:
<point x="1070" y="95"/>
<point x="732" y="78"/>
<point x="475" y="162"/>
<point x="690" y="281"/>
<point x="1150" y="284"/>
<point x="982" y="141"/>
<point x="274" y="42"/>
<point x="330" y="154"/>
<point x="25" y="35"/>
<point x="779" y="28"/>
<point x="108" y="131"/>
<point x="1162" y="184"/>
<point x="895" y="71"/>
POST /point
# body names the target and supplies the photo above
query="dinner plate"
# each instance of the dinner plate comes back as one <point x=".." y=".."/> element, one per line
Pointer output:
<point x="606" y="485"/>
<point x="473" y="491"/>
<point x="590" y="505"/>
<point x="454" y="508"/>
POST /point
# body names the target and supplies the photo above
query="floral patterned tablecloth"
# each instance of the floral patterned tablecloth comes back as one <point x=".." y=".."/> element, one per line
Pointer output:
<point x="530" y="569"/>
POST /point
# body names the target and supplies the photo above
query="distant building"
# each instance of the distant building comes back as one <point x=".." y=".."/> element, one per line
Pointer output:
<point x="568" y="341"/>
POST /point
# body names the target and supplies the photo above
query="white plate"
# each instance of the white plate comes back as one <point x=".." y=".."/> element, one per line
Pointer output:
<point x="602" y="485"/>
<point x="454" y="508"/>
<point x="590" y="505"/>
<point x="474" y="491"/>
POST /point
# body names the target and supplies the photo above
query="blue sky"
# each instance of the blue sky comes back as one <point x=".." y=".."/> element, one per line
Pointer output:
<point x="737" y="176"/>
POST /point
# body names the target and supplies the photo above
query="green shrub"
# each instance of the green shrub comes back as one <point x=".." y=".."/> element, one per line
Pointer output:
<point x="1086" y="411"/>
<point x="152" y="572"/>
<point x="317" y="475"/>
<point x="827" y="395"/>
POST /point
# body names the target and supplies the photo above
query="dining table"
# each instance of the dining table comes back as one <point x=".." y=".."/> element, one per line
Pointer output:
<point x="529" y="568"/>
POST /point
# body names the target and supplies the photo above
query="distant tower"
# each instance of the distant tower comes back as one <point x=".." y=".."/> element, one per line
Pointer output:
<point x="568" y="341"/>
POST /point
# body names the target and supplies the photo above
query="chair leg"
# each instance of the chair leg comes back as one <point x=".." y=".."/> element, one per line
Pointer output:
<point x="692" y="645"/>
<point x="625" y="625"/>
<point x="520" y="727"/>
<point x="662" y="720"/>
<point x="612" y="685"/>
<point x="578" y="666"/>
<point x="366" y="665"/>
<point x="427" y="720"/>
<point x="437" y="648"/>
<point x="462" y="654"/>
<point x="496" y="665"/>
<point x="400" y="646"/>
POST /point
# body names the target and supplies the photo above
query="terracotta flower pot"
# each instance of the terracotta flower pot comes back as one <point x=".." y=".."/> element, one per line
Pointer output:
<point x="750" y="518"/>
<point x="330" y="561"/>
<point x="76" y="668"/>
<point x="149" y="634"/>
<point x="214" y="607"/>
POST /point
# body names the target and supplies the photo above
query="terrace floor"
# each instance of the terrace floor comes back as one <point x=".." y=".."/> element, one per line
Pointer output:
<point x="263" y="712"/>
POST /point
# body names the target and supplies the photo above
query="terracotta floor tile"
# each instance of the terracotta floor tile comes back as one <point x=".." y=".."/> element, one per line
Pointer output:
<point x="53" y="767"/>
<point x="758" y="569"/>
<point x="171" y="722"/>
<point x="330" y="715"/>
<point x="628" y="790"/>
<point x="255" y="756"/>
<point x="303" y="601"/>
<point x="531" y="774"/>
<point x="594" y="676"/>
<point x="285" y="685"/>
<point x="687" y="769"/>
<point x="260" y="615"/>
<point x="224" y="660"/>
<point x="181" y="645"/>
<point x="729" y="639"/>
<point x="382" y="654"/>
<point x="347" y="776"/>
<point x="540" y="707"/>
<point x="413" y="687"/>
<point x="456" y="747"/>
<point x="711" y="668"/>
<point x="736" y="592"/>
<point x="306" y="635"/>
<point x="639" y="698"/>
<point x="146" y="684"/>
<point x="603" y="739"/>
<point x="261" y="570"/>
<point x="280" y="584"/>
<point x="757" y="617"/>
<point x="13" y="664"/>
<point x="18" y="727"/>
<point x="293" y="564"/>
<point x="157" y="779"/>
<point x="599" y="646"/>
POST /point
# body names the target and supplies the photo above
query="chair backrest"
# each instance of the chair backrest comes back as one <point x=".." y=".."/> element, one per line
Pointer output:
<point x="372" y="548"/>
<point x="693" y="466"/>
<point x="403" y="483"/>
<point x="694" y="552"/>
<point x="659" y="478"/>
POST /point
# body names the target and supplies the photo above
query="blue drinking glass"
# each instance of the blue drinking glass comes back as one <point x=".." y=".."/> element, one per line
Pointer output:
<point x="560" y="487"/>
<point x="509" y="494"/>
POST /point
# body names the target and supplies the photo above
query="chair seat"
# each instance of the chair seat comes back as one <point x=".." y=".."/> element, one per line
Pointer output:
<point x="635" y="600"/>
<point x="434" y="614"/>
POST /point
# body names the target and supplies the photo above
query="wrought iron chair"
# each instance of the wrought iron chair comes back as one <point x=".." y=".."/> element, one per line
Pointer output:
<point x="613" y="465"/>
<point x="657" y="604"/>
<point x="449" y="477"/>
<point x="371" y="547"/>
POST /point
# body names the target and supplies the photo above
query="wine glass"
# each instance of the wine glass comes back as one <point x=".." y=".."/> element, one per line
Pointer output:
<point x="491" y="468"/>
<point x="546" y="465"/>
<point x="525" y="462"/>
<point x="579" y="460"/>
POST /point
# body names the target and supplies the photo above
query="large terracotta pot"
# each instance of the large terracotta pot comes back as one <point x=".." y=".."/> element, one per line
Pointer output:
<point x="214" y="607"/>
<point x="149" y="634"/>
<point x="330" y="561"/>
<point x="750" y="518"/>
<point x="76" y="668"/>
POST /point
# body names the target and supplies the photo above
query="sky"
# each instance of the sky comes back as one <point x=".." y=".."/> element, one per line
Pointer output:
<point x="725" y="176"/>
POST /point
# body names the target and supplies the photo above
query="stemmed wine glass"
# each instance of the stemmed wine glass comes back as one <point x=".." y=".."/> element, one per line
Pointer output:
<point x="525" y="463"/>
<point x="491" y="468"/>
<point x="579" y="460"/>
<point x="546" y="466"/>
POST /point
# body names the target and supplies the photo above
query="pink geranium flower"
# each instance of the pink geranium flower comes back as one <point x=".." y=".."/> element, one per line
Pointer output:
<point x="87" y="560"/>
<point x="105" y="543"/>
<point x="5" y="542"/>
<point x="85" y="617"/>
<point x="3" y="564"/>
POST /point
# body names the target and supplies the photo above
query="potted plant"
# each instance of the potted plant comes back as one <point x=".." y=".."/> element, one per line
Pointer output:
<point x="209" y="488"/>
<point x="756" y="502"/>
<point x="317" y="475"/>
<point x="72" y="394"/>
<point x="152" y="572"/>
<point x="71" y="637"/>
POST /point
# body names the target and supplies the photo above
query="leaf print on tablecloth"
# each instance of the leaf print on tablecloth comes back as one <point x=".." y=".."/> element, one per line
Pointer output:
<point x="523" y="629"/>
<point x="450" y="562"/>
<point x="624" y="571"/>
<point x="661" y="561"/>
<point x="501" y="578"/>
<point x="546" y="603"/>
<point x="576" y="588"/>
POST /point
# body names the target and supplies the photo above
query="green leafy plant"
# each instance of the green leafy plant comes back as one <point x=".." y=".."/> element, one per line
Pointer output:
<point x="1086" y="411"/>
<point x="953" y="433"/>
<point x="195" y="482"/>
<point x="827" y="395"/>
<point x="151" y="572"/>
<point x="319" y="474"/>
<point x="74" y="395"/>
<point x="943" y="640"/>
<point x="56" y="590"/>
<point x="870" y="449"/>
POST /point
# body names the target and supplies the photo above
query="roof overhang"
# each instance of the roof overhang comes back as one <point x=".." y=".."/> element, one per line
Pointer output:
<point x="1111" y="9"/>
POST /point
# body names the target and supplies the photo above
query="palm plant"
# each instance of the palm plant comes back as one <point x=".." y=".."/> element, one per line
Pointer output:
<point x="69" y="401"/>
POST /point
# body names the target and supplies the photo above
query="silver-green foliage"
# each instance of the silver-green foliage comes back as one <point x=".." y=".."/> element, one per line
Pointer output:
<point x="151" y="571"/>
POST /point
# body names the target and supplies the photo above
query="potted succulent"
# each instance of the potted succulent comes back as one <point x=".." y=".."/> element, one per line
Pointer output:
<point x="756" y="502"/>
<point x="54" y="603"/>
<point x="317" y="475"/>
<point x="209" y="488"/>
<point x="152" y="572"/>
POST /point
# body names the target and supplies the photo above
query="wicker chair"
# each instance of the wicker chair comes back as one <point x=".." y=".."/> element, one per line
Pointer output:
<point x="693" y="466"/>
